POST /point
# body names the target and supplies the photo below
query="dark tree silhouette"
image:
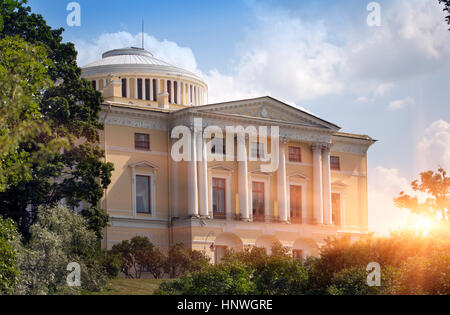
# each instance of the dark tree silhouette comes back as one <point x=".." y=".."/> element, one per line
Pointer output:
<point x="446" y="8"/>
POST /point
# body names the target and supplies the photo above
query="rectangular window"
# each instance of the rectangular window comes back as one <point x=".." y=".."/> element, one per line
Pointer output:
<point x="139" y="89"/>
<point x="175" y="92"/>
<point x="155" y="92"/>
<point x="258" y="201"/>
<point x="169" y="90"/>
<point x="336" y="209"/>
<point x="219" y="198"/>
<point x="94" y="84"/>
<point x="296" y="204"/>
<point x="295" y="154"/>
<point x="218" y="146"/>
<point x="142" y="141"/>
<point x="143" y="194"/>
<point x="147" y="89"/>
<point x="219" y="253"/>
<point x="257" y="150"/>
<point x="335" y="163"/>
<point x="124" y="87"/>
<point x="297" y="254"/>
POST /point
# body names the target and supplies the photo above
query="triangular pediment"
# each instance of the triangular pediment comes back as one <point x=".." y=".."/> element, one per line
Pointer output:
<point x="270" y="109"/>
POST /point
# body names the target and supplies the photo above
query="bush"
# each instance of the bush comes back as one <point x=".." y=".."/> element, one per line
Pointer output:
<point x="57" y="238"/>
<point x="425" y="275"/>
<point x="9" y="239"/>
<point x="353" y="281"/>
<point x="225" y="279"/>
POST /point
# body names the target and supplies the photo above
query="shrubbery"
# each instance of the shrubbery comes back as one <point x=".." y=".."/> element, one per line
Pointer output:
<point x="409" y="265"/>
<point x="58" y="238"/>
<point x="139" y="255"/>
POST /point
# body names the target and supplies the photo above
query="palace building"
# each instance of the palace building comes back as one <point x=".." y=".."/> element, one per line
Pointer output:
<point x="318" y="190"/>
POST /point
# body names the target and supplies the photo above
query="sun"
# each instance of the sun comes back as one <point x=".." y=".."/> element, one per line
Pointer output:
<point x="421" y="223"/>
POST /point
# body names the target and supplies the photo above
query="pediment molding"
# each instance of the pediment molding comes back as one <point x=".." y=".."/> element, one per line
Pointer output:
<point x="146" y="164"/>
<point x="267" y="108"/>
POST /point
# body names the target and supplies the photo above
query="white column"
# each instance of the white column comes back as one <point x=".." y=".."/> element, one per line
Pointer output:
<point x="243" y="185"/>
<point x="179" y="92"/>
<point x="192" y="179"/>
<point x="174" y="178"/>
<point x="327" y="211"/>
<point x="317" y="184"/>
<point x="172" y="92"/>
<point x="189" y="94"/>
<point x="282" y="183"/>
<point x="135" y="88"/>
<point x="165" y="86"/>
<point x="203" y="176"/>
<point x="158" y="87"/>
<point x="183" y="92"/>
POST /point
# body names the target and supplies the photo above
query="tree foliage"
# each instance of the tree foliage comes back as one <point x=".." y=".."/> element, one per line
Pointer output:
<point x="74" y="170"/>
<point x="58" y="238"/>
<point x="9" y="238"/>
<point x="446" y="8"/>
<point x="410" y="264"/>
<point x="436" y="185"/>
<point x="139" y="255"/>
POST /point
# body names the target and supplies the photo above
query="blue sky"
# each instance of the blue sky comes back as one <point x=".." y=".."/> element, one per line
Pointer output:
<point x="390" y="82"/>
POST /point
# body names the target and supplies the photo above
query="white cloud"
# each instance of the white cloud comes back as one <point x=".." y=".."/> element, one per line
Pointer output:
<point x="293" y="60"/>
<point x="165" y="50"/>
<point x="412" y="40"/>
<point x="433" y="149"/>
<point x="400" y="104"/>
<point x="282" y="57"/>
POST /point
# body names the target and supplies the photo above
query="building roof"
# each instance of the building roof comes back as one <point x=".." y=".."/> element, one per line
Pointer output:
<point x="133" y="60"/>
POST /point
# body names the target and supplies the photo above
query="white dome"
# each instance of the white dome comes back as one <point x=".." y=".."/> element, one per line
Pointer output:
<point x="135" y="60"/>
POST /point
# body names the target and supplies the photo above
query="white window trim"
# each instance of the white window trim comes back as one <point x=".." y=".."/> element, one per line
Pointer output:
<point x="304" y="210"/>
<point x="227" y="178"/>
<point x="152" y="176"/>
<point x="266" y="182"/>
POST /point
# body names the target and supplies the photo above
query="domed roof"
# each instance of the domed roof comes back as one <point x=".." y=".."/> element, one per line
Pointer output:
<point x="133" y="60"/>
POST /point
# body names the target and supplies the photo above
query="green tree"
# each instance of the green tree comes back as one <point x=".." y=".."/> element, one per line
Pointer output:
<point x="59" y="237"/>
<point x="23" y="75"/>
<point x="181" y="260"/>
<point x="437" y="187"/>
<point x="71" y="110"/>
<point x="9" y="239"/>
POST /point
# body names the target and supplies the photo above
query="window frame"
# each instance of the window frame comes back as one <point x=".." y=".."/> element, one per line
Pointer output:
<point x="136" y="147"/>
<point x="217" y="214"/>
<point x="124" y="87"/>
<point x="260" y="217"/>
<point x="298" y="220"/>
<point x="260" y="153"/>
<point x="298" y="155"/>
<point x="149" y="183"/>
<point x="335" y="166"/>
<point x="140" y="89"/>
<point x="152" y="175"/>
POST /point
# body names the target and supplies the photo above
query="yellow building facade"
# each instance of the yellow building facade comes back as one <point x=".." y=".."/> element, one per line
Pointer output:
<point x="213" y="202"/>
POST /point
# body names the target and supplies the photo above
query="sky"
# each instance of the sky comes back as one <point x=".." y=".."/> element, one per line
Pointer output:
<point x="389" y="81"/>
